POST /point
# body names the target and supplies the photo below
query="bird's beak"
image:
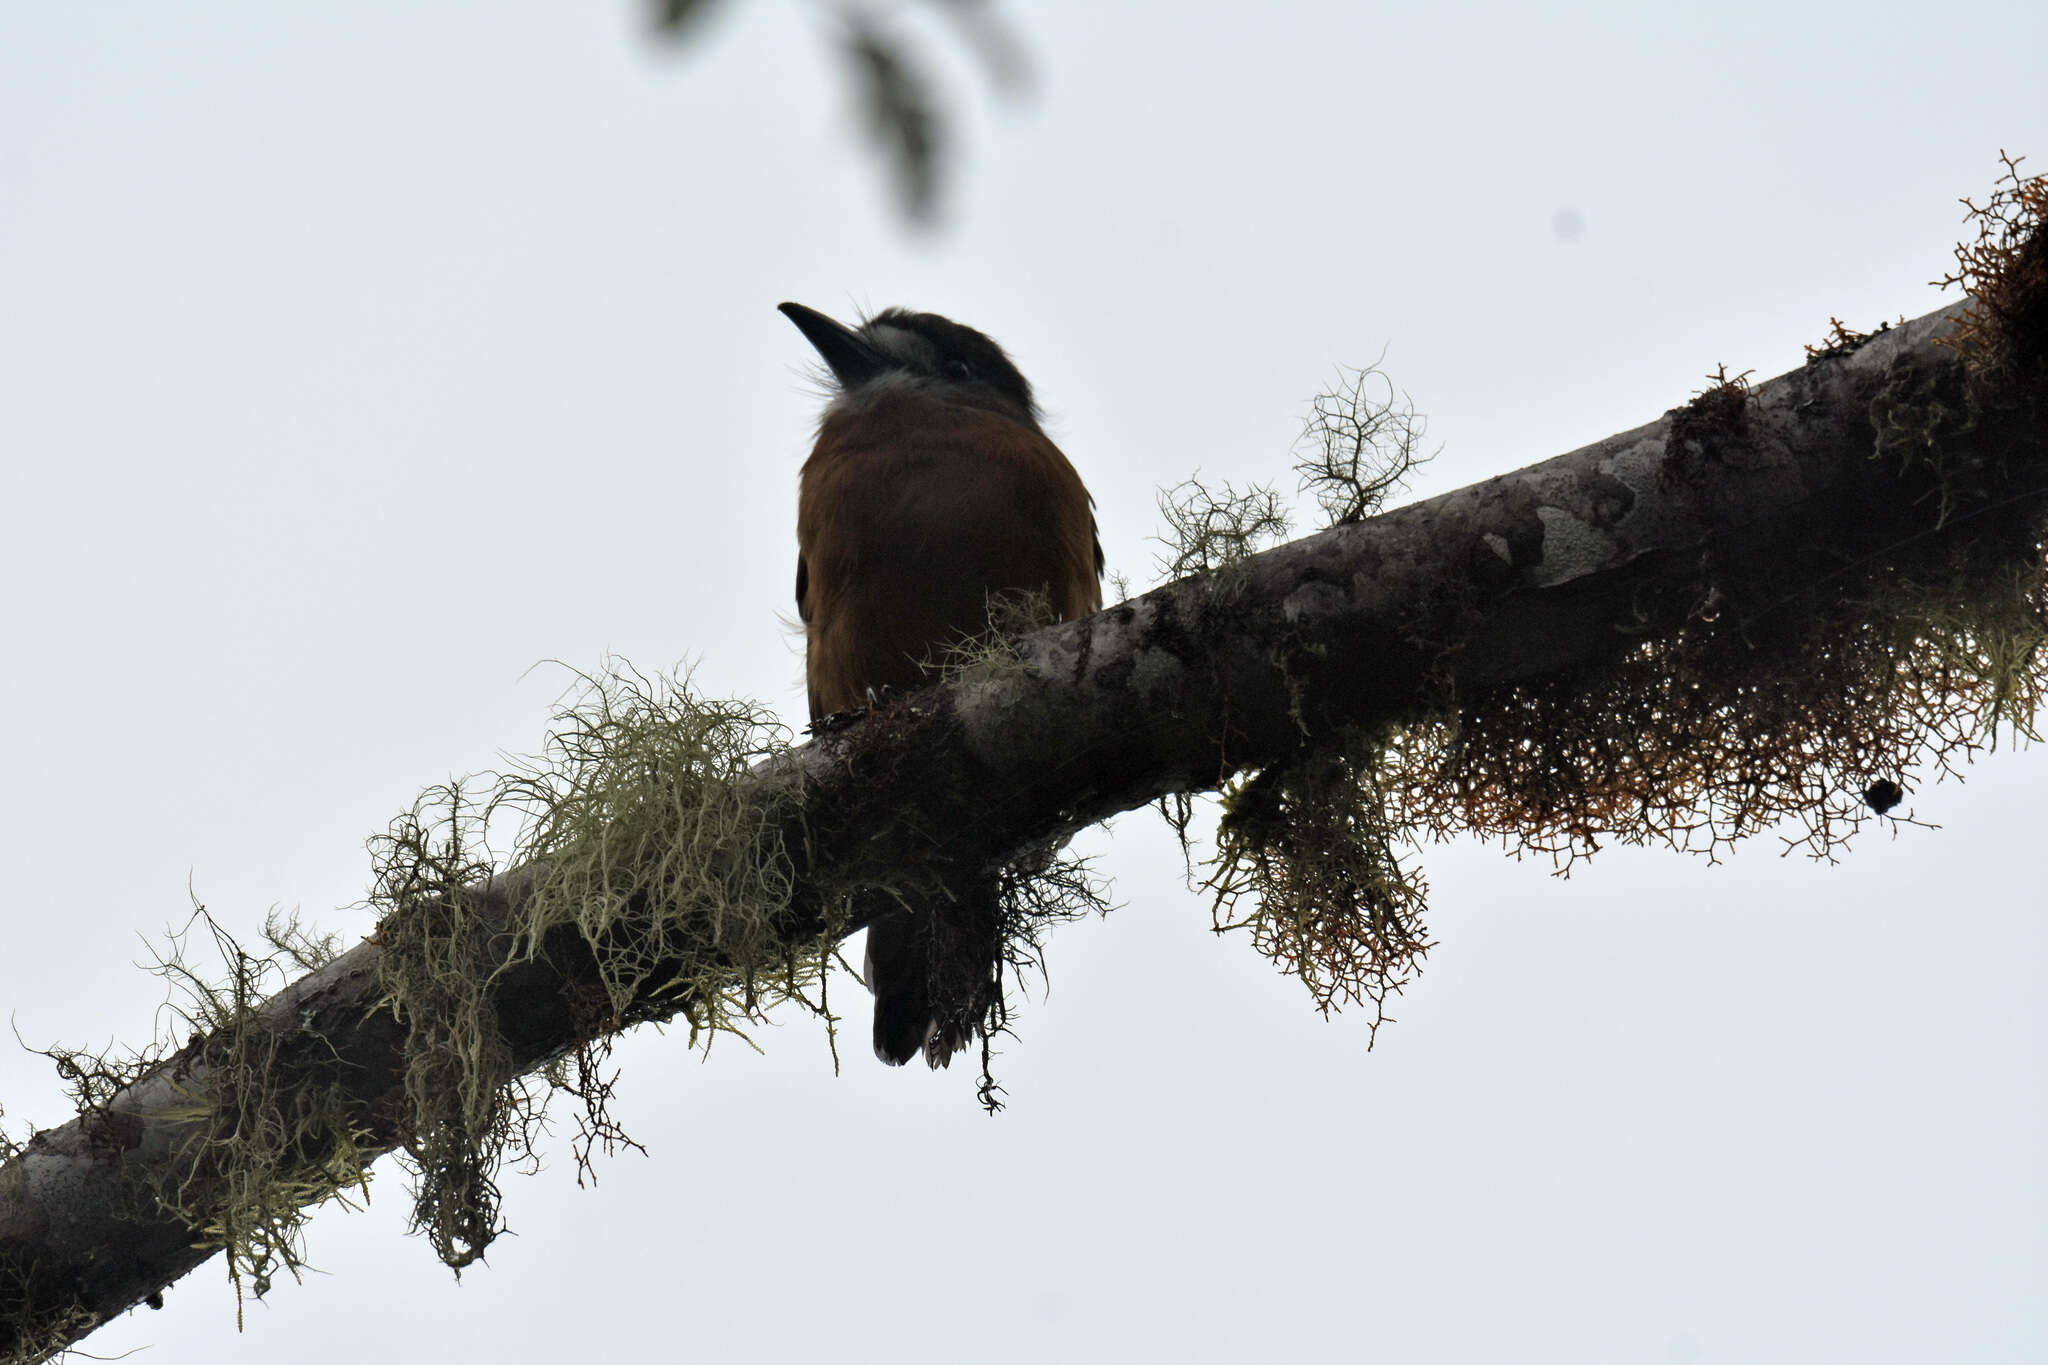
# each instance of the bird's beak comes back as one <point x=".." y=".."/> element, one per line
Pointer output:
<point x="851" y="359"/>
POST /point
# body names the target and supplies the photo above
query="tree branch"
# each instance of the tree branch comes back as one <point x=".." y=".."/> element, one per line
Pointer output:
<point x="1562" y="564"/>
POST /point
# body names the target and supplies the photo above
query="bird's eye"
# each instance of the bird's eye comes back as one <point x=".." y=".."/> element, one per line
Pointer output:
<point x="959" y="369"/>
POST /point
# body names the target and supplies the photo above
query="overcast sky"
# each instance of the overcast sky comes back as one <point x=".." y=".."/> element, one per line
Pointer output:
<point x="354" y="358"/>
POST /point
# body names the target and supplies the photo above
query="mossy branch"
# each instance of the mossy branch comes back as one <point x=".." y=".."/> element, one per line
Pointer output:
<point x="1883" y="503"/>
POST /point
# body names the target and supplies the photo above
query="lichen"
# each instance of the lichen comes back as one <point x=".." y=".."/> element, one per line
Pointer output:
<point x="642" y="840"/>
<point x="271" y="1142"/>
<point x="1306" y="864"/>
<point x="35" y="1328"/>
<point x="2003" y="335"/>
<point x="261" y="1138"/>
<point x="1734" y="703"/>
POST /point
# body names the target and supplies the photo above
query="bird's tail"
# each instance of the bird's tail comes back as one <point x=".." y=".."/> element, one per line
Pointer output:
<point x="936" y="973"/>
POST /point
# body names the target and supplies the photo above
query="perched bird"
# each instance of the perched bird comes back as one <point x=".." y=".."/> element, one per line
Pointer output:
<point x="932" y="490"/>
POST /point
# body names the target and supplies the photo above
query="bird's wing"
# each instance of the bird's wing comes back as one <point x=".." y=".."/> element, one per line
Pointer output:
<point x="803" y="612"/>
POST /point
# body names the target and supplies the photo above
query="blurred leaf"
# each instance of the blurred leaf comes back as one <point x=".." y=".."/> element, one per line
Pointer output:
<point x="900" y="108"/>
<point x="982" y="28"/>
<point x="673" y="17"/>
<point x="896" y="98"/>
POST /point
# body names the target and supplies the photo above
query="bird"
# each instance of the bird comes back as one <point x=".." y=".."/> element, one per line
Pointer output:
<point x="930" y="492"/>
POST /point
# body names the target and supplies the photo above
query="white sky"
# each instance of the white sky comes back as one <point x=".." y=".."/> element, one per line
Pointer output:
<point x="353" y="358"/>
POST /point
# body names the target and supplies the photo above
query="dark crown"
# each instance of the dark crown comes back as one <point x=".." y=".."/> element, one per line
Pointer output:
<point x="940" y="348"/>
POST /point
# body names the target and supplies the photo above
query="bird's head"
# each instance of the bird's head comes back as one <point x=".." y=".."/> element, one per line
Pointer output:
<point x="897" y="347"/>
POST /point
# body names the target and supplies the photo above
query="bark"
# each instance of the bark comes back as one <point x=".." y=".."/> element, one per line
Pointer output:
<point x="1513" y="578"/>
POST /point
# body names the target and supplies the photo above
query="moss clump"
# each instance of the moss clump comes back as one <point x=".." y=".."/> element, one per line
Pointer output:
<point x="35" y="1329"/>
<point x="650" y="839"/>
<point x="263" y="1136"/>
<point x="1304" y="859"/>
<point x="1305" y="863"/>
<point x="464" y="1111"/>
<point x="275" y="1139"/>
<point x="1717" y="416"/>
<point x="642" y="841"/>
<point x="1701" y="739"/>
<point x="2004" y="270"/>
<point x="1736" y="701"/>
<point x="1842" y="339"/>
<point x="994" y="653"/>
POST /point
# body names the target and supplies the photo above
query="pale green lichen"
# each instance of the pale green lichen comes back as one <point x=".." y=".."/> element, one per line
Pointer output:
<point x="643" y="838"/>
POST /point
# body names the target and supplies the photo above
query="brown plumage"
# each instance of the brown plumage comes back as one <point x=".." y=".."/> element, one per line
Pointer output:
<point x="931" y="489"/>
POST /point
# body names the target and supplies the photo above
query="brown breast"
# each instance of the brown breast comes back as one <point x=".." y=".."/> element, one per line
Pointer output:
<point x="910" y="514"/>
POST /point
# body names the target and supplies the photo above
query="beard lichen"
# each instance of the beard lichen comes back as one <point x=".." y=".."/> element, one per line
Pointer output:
<point x="1305" y="864"/>
<point x="466" y="1108"/>
<point x="1031" y="895"/>
<point x="993" y="653"/>
<point x="649" y="837"/>
<point x="262" y="1133"/>
<point x="35" y="1328"/>
<point x="643" y="843"/>
<point x="275" y="1139"/>
<point x="1304" y="859"/>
